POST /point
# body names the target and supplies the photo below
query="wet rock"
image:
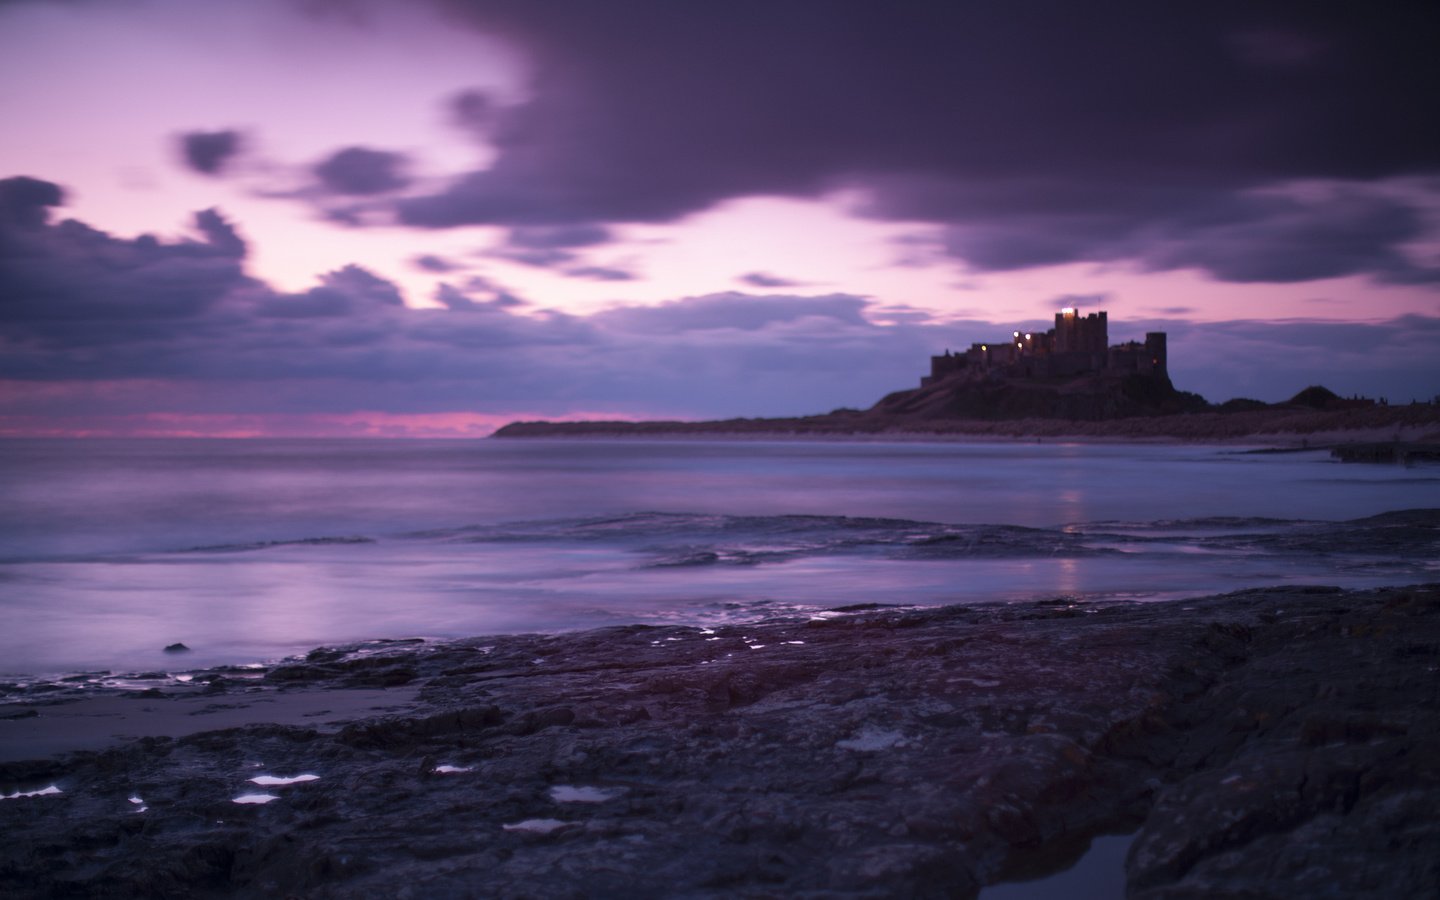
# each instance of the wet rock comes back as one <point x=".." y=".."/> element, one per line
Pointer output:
<point x="1266" y="743"/>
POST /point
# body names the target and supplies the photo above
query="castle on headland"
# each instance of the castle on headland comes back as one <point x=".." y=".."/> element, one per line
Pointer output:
<point x="1077" y="345"/>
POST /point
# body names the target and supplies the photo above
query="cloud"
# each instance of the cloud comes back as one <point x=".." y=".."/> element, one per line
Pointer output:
<point x="734" y="311"/>
<point x="473" y="110"/>
<point x="540" y="238"/>
<point x="555" y="248"/>
<point x="360" y="171"/>
<point x="1398" y="359"/>
<point x="601" y="273"/>
<point x="1281" y="239"/>
<point x="72" y="284"/>
<point x="25" y="202"/>
<point x="429" y="262"/>
<point x="493" y="293"/>
<point x="93" y="325"/>
<point x="1037" y="133"/>
<point x="766" y="280"/>
<point x="208" y="152"/>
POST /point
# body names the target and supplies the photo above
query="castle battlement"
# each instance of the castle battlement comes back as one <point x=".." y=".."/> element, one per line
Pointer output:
<point x="1077" y="345"/>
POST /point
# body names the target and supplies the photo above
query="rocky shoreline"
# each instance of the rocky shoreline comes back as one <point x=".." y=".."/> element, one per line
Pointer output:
<point x="1275" y="742"/>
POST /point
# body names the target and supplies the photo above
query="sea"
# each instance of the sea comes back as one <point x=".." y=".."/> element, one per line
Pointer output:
<point x="248" y="551"/>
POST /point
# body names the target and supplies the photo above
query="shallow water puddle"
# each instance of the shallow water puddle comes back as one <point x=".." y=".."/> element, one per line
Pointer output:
<point x="870" y="740"/>
<point x="537" y="826"/>
<point x="1098" y="875"/>
<point x="43" y="792"/>
<point x="256" y="799"/>
<point x="278" y="781"/>
<point x="565" y="793"/>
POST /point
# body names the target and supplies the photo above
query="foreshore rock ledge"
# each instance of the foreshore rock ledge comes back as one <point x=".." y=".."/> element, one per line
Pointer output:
<point x="1273" y="742"/>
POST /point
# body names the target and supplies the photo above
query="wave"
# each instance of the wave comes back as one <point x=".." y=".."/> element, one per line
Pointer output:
<point x="680" y="540"/>
<point x="669" y="540"/>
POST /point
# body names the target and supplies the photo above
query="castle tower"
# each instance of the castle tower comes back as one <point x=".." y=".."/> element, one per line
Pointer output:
<point x="1154" y="360"/>
<point x="1075" y="333"/>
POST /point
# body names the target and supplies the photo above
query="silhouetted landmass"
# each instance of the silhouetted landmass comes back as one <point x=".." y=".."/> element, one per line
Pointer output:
<point x="902" y="416"/>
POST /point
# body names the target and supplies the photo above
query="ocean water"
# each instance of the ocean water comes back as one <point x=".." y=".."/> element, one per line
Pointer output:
<point x="249" y="550"/>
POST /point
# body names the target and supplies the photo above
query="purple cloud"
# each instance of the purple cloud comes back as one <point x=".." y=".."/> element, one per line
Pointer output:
<point x="601" y="273"/>
<point x="473" y="110"/>
<point x="556" y="248"/>
<point x="69" y="285"/>
<point x="207" y="152"/>
<point x="429" y="262"/>
<point x="543" y="238"/>
<point x="734" y="311"/>
<point x="766" y="280"/>
<point x="25" y="202"/>
<point x="990" y="119"/>
<point x="79" y="306"/>
<point x="360" y="171"/>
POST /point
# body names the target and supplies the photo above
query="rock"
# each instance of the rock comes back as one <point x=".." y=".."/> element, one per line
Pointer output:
<point x="177" y="648"/>
<point x="1280" y="742"/>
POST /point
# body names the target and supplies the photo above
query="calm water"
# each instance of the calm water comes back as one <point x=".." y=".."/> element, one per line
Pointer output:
<point x="248" y="550"/>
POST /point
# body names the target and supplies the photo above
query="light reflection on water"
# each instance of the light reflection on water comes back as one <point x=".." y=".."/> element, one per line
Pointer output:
<point x="94" y="579"/>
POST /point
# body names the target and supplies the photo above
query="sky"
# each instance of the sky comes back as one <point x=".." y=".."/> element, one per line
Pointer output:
<point x="432" y="217"/>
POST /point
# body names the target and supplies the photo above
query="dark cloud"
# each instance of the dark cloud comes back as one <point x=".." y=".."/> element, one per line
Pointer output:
<point x="68" y="279"/>
<point x="555" y="248"/>
<point x="429" y="262"/>
<point x="540" y="258"/>
<point x="1277" y="239"/>
<point x="360" y="171"/>
<point x="473" y="110"/>
<point x="1247" y="236"/>
<point x="207" y="152"/>
<point x="491" y="292"/>
<point x="1042" y="131"/>
<point x="766" y="280"/>
<point x="345" y="292"/>
<point x="25" y="202"/>
<point x="553" y="238"/>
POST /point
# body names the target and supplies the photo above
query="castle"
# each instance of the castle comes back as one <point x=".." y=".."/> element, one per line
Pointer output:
<point x="1077" y="345"/>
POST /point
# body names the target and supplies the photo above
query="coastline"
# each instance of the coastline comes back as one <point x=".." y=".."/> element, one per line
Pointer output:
<point x="922" y="752"/>
<point x="1297" y="428"/>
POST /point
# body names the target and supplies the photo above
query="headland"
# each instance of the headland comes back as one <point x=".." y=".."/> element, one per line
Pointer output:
<point x="1066" y="383"/>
